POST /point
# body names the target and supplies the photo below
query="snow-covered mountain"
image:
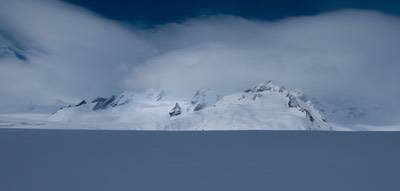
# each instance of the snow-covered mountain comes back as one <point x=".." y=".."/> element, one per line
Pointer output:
<point x="265" y="106"/>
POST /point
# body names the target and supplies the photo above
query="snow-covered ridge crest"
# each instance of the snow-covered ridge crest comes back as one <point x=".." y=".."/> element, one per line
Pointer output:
<point x="127" y="97"/>
<point x="296" y="100"/>
<point x="265" y="106"/>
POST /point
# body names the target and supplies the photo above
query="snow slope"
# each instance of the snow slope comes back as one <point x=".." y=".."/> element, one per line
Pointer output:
<point x="266" y="106"/>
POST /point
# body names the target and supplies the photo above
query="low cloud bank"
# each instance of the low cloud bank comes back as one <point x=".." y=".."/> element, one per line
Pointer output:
<point x="343" y="55"/>
<point x="340" y="54"/>
<point x="72" y="52"/>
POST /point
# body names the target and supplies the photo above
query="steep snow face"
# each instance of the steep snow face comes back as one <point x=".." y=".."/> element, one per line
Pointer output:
<point x="296" y="100"/>
<point x="266" y="106"/>
<point x="203" y="98"/>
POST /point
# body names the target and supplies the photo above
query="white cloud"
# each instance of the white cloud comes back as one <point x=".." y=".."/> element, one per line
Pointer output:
<point x="72" y="52"/>
<point x="340" y="54"/>
<point x="345" y="54"/>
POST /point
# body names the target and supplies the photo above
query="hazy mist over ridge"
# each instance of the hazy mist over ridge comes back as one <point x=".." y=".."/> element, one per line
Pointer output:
<point x="73" y="53"/>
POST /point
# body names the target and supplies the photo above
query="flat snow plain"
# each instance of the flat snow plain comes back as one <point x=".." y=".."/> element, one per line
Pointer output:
<point x="65" y="160"/>
<point x="39" y="121"/>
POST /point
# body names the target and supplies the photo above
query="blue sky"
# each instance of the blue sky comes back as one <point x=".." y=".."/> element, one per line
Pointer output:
<point x="151" y="12"/>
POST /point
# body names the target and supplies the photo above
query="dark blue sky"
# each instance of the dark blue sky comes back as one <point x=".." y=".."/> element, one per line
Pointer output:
<point x="161" y="11"/>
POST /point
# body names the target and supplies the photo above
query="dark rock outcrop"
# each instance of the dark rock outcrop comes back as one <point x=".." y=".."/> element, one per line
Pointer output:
<point x="83" y="102"/>
<point x="102" y="103"/>
<point x="176" y="110"/>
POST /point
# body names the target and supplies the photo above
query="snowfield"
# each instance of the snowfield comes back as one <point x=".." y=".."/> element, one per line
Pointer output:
<point x="266" y="106"/>
<point x="65" y="160"/>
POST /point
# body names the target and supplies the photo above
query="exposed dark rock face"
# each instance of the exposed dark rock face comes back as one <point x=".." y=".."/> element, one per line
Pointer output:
<point x="292" y="103"/>
<point x="199" y="107"/>
<point x="83" y="102"/>
<point x="99" y="99"/>
<point x="177" y="110"/>
<point x="102" y="103"/>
